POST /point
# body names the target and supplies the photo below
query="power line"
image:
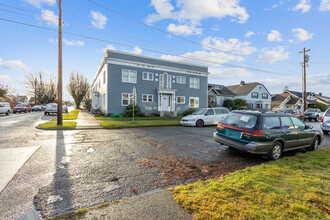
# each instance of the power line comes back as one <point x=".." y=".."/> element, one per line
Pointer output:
<point x="154" y="51"/>
<point x="21" y="9"/>
<point x="15" y="12"/>
<point x="169" y="33"/>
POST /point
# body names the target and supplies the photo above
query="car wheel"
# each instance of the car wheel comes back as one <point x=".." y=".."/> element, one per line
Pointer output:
<point x="325" y="132"/>
<point x="276" y="151"/>
<point x="7" y="113"/>
<point x="199" y="123"/>
<point x="315" y="145"/>
<point x="317" y="118"/>
<point x="310" y="119"/>
<point x="45" y="113"/>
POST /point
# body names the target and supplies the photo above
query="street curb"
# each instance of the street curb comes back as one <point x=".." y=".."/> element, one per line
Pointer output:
<point x="150" y="126"/>
<point x="46" y="129"/>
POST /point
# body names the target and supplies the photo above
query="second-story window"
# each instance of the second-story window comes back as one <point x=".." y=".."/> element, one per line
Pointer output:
<point x="165" y="81"/>
<point x="181" y="79"/>
<point x="194" y="83"/>
<point x="148" y="76"/>
<point x="104" y="77"/>
<point x="128" y="76"/>
<point x="254" y="95"/>
<point x="264" y="96"/>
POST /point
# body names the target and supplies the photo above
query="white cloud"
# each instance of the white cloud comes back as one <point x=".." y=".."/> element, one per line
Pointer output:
<point x="215" y="27"/>
<point x="99" y="20"/>
<point x="38" y="3"/>
<point x="49" y="17"/>
<point x="68" y="43"/>
<point x="192" y="12"/>
<point x="274" y="36"/>
<point x="111" y="47"/>
<point x="304" y="6"/>
<point x="73" y="43"/>
<point x="137" y="50"/>
<point x="274" y="55"/>
<point x="14" y="64"/>
<point x="325" y="5"/>
<point x="229" y="73"/>
<point x="184" y="29"/>
<point x="230" y="45"/>
<point x="291" y="41"/>
<point x="302" y="34"/>
<point x="5" y="78"/>
<point x="249" y="34"/>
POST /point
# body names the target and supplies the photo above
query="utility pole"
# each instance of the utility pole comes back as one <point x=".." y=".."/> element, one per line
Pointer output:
<point x="304" y="76"/>
<point x="59" y="82"/>
<point x="35" y="90"/>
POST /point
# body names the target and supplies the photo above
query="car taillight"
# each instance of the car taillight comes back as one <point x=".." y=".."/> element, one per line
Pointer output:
<point x="257" y="133"/>
<point x="220" y="126"/>
<point x="322" y="119"/>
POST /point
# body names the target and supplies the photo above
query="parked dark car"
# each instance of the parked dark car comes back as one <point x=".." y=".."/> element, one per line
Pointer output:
<point x="296" y="112"/>
<point x="36" y="108"/>
<point x="313" y="113"/>
<point x="266" y="133"/>
<point x="24" y="107"/>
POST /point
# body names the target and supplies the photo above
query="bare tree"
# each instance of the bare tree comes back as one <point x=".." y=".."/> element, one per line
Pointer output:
<point x="6" y="91"/>
<point x="78" y="86"/>
<point x="44" y="92"/>
<point x="87" y="100"/>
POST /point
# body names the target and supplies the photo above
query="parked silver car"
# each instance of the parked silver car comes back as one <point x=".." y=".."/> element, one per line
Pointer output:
<point x="325" y="122"/>
<point x="51" y="108"/>
<point x="4" y="108"/>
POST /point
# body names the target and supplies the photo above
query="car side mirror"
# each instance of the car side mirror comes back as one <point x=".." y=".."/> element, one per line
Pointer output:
<point x="308" y="126"/>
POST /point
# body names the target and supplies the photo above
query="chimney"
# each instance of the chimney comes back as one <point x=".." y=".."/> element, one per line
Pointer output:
<point x="320" y="94"/>
<point x="242" y="83"/>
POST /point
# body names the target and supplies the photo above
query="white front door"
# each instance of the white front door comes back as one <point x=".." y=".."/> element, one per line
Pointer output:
<point x="166" y="103"/>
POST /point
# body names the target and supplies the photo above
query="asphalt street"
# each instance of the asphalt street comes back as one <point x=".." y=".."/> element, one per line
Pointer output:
<point x="77" y="169"/>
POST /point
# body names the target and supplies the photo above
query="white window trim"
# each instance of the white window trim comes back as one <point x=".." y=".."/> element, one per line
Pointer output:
<point x="193" y="98"/>
<point x="184" y="100"/>
<point x="183" y="79"/>
<point x="129" y="75"/>
<point x="129" y="98"/>
<point x="195" y="85"/>
<point x="148" y="73"/>
<point x="148" y="95"/>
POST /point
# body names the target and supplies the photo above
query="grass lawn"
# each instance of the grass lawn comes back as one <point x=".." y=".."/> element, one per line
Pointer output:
<point x="291" y="188"/>
<point x="137" y="118"/>
<point x="126" y="124"/>
<point x="70" y="116"/>
<point x="53" y="125"/>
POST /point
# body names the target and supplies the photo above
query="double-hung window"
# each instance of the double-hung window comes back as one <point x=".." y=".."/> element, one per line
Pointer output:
<point x="148" y="76"/>
<point x="264" y="96"/>
<point x="181" y="80"/>
<point x="127" y="99"/>
<point x="128" y="76"/>
<point x="194" y="83"/>
<point x="180" y="100"/>
<point x="104" y="79"/>
<point x="193" y="102"/>
<point x="254" y="95"/>
<point x="147" y="98"/>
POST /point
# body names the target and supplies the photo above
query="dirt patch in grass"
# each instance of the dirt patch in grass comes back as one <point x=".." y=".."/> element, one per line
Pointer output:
<point x="291" y="188"/>
<point x="178" y="170"/>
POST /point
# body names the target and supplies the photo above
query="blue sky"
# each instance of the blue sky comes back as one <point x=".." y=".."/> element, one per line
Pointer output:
<point x="232" y="37"/>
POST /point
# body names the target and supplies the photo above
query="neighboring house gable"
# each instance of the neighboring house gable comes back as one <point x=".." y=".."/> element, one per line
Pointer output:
<point x="217" y="94"/>
<point x="255" y="94"/>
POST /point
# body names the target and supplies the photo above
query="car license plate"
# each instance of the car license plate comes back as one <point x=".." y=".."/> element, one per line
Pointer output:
<point x="233" y="133"/>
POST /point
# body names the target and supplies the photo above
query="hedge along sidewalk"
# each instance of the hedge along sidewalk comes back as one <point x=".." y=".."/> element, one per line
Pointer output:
<point x="137" y="118"/>
<point x="139" y="123"/>
<point x="70" y="116"/>
<point x="291" y="188"/>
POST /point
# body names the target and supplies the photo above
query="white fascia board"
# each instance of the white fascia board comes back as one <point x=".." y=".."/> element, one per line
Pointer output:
<point x="155" y="67"/>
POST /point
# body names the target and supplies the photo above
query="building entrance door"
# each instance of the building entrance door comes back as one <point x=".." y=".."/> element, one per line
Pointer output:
<point x="166" y="103"/>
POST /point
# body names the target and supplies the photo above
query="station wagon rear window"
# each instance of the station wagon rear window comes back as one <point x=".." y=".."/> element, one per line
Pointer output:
<point x="272" y="123"/>
<point x="240" y="120"/>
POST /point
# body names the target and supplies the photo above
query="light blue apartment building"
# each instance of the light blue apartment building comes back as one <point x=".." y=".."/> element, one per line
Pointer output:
<point x="162" y="86"/>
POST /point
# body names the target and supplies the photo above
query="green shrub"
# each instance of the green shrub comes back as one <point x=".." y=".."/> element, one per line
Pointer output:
<point x="129" y="111"/>
<point x="320" y="106"/>
<point x="188" y="112"/>
<point x="228" y="103"/>
<point x="240" y="103"/>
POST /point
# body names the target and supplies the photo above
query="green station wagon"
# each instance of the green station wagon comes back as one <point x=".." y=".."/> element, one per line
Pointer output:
<point x="269" y="133"/>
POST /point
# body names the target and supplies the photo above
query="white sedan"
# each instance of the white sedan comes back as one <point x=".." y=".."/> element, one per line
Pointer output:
<point x="205" y="116"/>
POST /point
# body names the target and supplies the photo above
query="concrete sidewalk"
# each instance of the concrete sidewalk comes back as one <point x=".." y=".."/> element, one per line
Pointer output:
<point x="87" y="121"/>
<point x="154" y="205"/>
